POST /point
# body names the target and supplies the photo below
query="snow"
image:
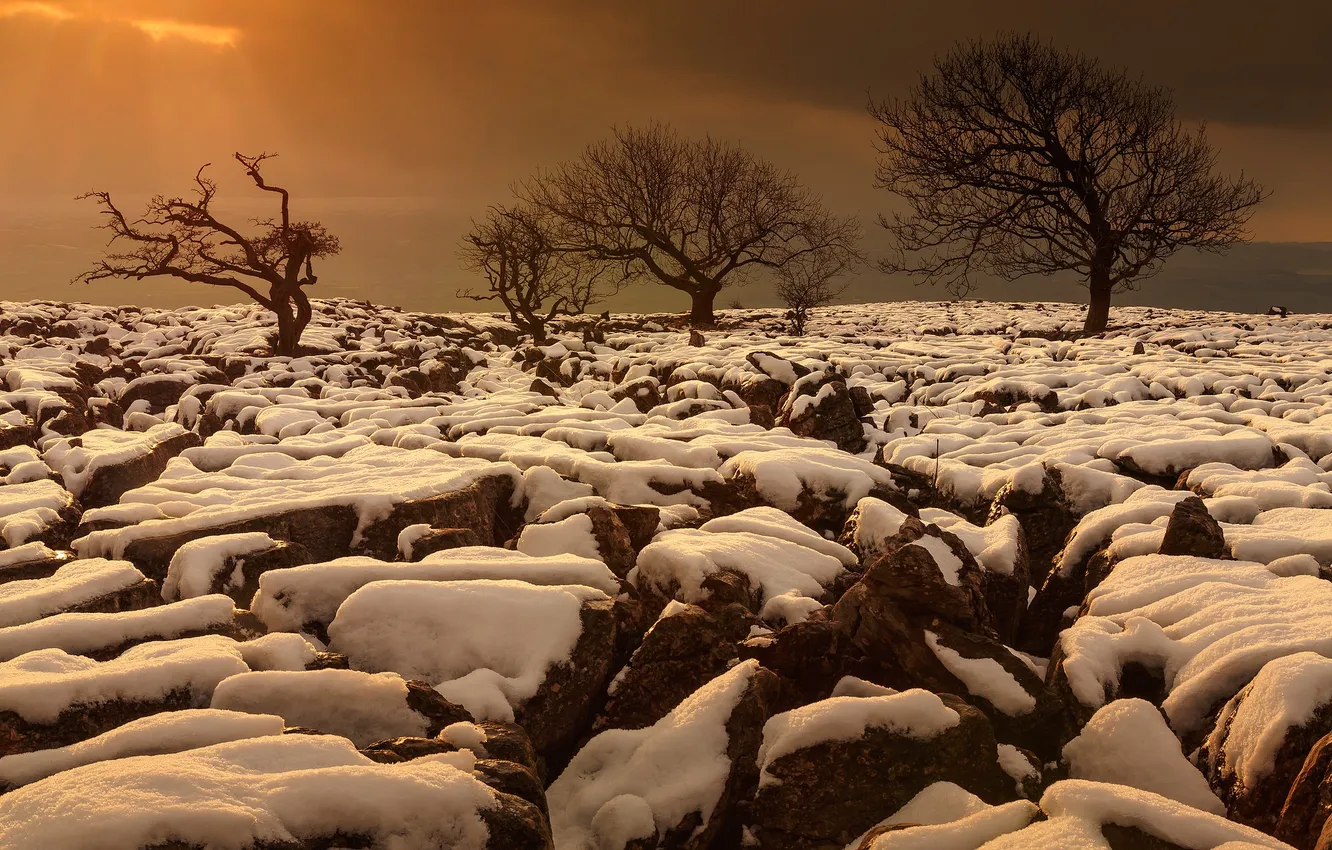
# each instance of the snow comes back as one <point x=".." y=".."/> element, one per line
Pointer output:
<point x="1096" y="803"/>
<point x="852" y="686"/>
<point x="410" y="536"/>
<point x="196" y="565"/>
<point x="83" y="633"/>
<point x="876" y="521"/>
<point x="984" y="677"/>
<point x="770" y="522"/>
<point x="782" y="475"/>
<point x="73" y="584"/>
<point x="1210" y="626"/>
<point x="169" y="732"/>
<point x="1283" y="532"/>
<point x="231" y="795"/>
<point x="995" y="546"/>
<point x="459" y="636"/>
<point x="1016" y="765"/>
<point x="1127" y="742"/>
<point x="466" y="735"/>
<point x="572" y="536"/>
<point x="291" y="597"/>
<point x="949" y="564"/>
<point x="39" y="685"/>
<point x="277" y="651"/>
<point x="678" y="561"/>
<point x="948" y="817"/>
<point x="915" y="713"/>
<point x="1243" y="449"/>
<point x="27" y="554"/>
<point x="362" y="707"/>
<point x="676" y="766"/>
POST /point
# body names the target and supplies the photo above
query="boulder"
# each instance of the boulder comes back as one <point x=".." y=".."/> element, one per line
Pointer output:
<point x="83" y="721"/>
<point x="821" y="406"/>
<point x="762" y="416"/>
<point x="561" y="712"/>
<point x="1193" y="531"/>
<point x="822" y="509"/>
<point x="505" y="758"/>
<point x="998" y="683"/>
<point x="928" y="571"/>
<point x="1304" y="813"/>
<point x="1046" y="517"/>
<point x="644" y="393"/>
<point x="483" y="507"/>
<point x="24" y="434"/>
<point x="680" y="783"/>
<point x="40" y="562"/>
<point x="641" y="521"/>
<point x="614" y="543"/>
<point x="542" y="387"/>
<point x="327" y="531"/>
<point x="683" y="651"/>
<point x="160" y="391"/>
<point x="876" y="630"/>
<point x="1283" y="705"/>
<point x="109" y="482"/>
<point x="248" y="568"/>
<point x="50" y="698"/>
<point x="797" y="807"/>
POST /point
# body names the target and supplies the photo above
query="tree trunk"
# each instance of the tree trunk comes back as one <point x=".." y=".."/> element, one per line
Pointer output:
<point x="700" y="313"/>
<point x="1098" y="307"/>
<point x="303" y="313"/>
<point x="288" y="334"/>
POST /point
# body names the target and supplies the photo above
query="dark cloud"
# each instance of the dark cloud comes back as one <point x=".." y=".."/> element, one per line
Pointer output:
<point x="1228" y="60"/>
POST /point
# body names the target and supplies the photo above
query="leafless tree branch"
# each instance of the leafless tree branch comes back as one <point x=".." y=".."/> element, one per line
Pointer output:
<point x="1017" y="158"/>
<point x="181" y="238"/>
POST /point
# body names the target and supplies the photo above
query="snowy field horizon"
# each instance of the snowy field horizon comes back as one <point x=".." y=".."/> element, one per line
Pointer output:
<point x="945" y="575"/>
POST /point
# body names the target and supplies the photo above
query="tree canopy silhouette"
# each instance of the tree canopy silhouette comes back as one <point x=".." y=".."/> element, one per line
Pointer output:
<point x="809" y="283"/>
<point x="520" y="254"/>
<point x="696" y="215"/>
<point x="1015" y="157"/>
<point x="182" y="238"/>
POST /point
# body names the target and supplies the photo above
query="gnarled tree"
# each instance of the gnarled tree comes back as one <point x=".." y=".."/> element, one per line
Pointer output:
<point x="182" y="238"/>
<point x="811" y="282"/>
<point x="1016" y="158"/>
<point x="696" y="215"/>
<point x="519" y="253"/>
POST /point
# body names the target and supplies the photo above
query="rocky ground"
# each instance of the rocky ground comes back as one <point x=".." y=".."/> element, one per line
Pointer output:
<point x="934" y="576"/>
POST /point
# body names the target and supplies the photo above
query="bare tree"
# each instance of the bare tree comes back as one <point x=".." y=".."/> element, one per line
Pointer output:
<point x="183" y="239"/>
<point x="518" y="251"/>
<point x="696" y="215"/>
<point x="1015" y="158"/>
<point x="809" y="283"/>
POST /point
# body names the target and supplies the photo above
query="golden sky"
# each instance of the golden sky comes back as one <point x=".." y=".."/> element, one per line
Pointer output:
<point x="400" y="119"/>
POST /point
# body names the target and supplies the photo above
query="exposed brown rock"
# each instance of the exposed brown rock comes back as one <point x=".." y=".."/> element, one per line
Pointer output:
<point x="875" y="776"/>
<point x="1193" y="531"/>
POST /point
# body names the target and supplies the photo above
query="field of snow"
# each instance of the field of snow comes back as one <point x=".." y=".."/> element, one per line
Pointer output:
<point x="935" y="576"/>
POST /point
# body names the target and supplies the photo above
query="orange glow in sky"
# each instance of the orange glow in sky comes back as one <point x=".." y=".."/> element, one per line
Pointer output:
<point x="397" y="121"/>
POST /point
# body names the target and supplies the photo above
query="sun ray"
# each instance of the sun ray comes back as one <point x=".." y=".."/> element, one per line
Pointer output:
<point x="35" y="8"/>
<point x="160" y="30"/>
